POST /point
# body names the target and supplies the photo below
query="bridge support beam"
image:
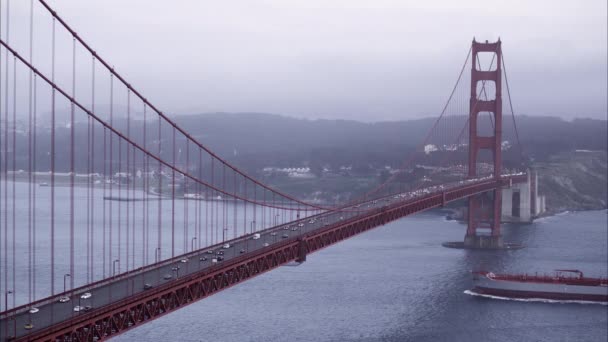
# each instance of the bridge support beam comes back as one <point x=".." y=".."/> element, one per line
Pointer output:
<point x="302" y="250"/>
<point x="522" y="203"/>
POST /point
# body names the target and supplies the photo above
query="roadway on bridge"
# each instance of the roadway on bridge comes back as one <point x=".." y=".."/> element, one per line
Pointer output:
<point x="51" y="311"/>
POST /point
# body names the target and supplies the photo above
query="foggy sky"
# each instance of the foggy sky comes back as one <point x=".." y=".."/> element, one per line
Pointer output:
<point x="363" y="60"/>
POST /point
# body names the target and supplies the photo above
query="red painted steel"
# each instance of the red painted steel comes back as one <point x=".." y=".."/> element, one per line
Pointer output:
<point x="483" y="209"/>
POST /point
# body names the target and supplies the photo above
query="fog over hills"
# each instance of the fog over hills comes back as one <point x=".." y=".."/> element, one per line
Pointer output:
<point x="256" y="140"/>
<point x="282" y="140"/>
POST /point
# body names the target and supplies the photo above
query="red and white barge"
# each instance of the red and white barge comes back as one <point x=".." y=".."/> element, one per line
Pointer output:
<point x="563" y="285"/>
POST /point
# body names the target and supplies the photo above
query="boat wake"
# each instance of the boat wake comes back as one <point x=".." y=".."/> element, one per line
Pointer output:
<point x="541" y="300"/>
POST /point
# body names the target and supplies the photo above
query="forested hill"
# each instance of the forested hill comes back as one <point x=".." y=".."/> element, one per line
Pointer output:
<point x="281" y="140"/>
<point x="253" y="140"/>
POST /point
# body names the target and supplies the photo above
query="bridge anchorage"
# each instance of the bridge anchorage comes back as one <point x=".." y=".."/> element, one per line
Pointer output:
<point x="485" y="209"/>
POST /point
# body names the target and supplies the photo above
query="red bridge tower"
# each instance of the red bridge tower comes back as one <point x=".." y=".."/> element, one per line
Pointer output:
<point x="484" y="210"/>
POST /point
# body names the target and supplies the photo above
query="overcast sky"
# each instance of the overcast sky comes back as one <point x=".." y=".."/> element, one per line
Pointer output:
<point x="363" y="60"/>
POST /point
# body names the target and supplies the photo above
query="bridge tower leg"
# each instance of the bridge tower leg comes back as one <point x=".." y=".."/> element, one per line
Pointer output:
<point x="484" y="211"/>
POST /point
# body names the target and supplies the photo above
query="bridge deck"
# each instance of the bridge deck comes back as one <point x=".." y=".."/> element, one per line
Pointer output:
<point x="122" y="302"/>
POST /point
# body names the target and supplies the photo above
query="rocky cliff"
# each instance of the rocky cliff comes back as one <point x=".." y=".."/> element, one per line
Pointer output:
<point x="574" y="181"/>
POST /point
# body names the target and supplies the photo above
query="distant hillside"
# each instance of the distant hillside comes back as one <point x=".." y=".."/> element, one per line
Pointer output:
<point x="279" y="140"/>
<point x="254" y="140"/>
<point x="571" y="180"/>
<point x="574" y="181"/>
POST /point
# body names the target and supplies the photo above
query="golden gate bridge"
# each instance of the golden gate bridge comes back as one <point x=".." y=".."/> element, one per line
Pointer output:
<point x="104" y="228"/>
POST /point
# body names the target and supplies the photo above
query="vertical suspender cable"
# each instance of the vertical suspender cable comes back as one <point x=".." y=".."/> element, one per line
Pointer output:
<point x="128" y="173"/>
<point x="195" y="189"/>
<point x="14" y="230"/>
<point x="217" y="214"/>
<point x="53" y="165"/>
<point x="125" y="179"/>
<point x="199" y="191"/>
<point x="119" y="218"/>
<point x="29" y="162"/>
<point x="185" y="205"/>
<point x="89" y="184"/>
<point x="158" y="250"/>
<point x="214" y="217"/>
<point x="184" y="188"/>
<point x="185" y="212"/>
<point x="207" y="241"/>
<point x="72" y="146"/>
<point x="133" y="175"/>
<point x="111" y="175"/>
<point x="224" y="206"/>
<point x="521" y="150"/>
<point x="105" y="180"/>
<point x="3" y="162"/>
<point x="146" y="187"/>
<point x="173" y="201"/>
<point x="93" y="170"/>
<point x="34" y="268"/>
<point x="234" y="205"/>
<point x="245" y="206"/>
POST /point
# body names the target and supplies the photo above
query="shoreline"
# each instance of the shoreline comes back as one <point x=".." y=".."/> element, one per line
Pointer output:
<point x="450" y="214"/>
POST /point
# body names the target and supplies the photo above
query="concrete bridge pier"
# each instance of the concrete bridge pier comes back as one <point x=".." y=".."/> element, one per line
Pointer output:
<point x="521" y="203"/>
<point x="517" y="203"/>
<point x="483" y="228"/>
<point x="483" y="242"/>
